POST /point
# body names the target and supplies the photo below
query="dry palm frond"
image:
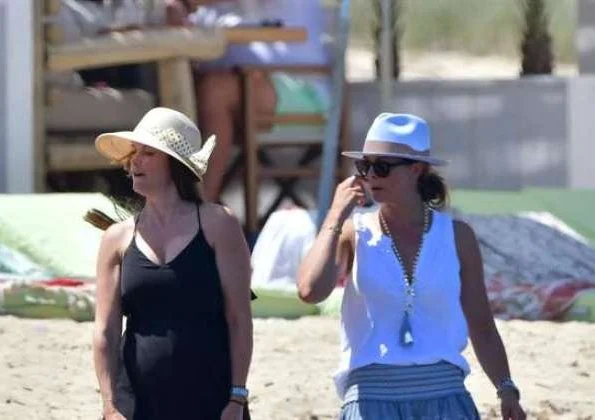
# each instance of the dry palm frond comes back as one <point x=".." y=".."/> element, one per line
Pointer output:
<point x="99" y="219"/>
<point x="123" y="208"/>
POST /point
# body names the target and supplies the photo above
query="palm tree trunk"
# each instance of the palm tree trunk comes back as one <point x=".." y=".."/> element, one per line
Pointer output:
<point x="536" y="46"/>
<point x="395" y="38"/>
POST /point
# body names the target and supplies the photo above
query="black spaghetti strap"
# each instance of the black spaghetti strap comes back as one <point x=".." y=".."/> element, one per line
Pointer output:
<point x="198" y="216"/>
<point x="136" y="219"/>
<point x="133" y="239"/>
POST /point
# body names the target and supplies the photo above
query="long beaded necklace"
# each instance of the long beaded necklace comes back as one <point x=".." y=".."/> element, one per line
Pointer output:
<point x="406" y="333"/>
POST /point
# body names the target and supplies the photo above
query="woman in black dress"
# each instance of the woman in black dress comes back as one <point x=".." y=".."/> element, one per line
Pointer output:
<point x="179" y="271"/>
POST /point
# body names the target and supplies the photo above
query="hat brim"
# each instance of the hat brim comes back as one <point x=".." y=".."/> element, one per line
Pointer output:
<point x="119" y="145"/>
<point x="427" y="159"/>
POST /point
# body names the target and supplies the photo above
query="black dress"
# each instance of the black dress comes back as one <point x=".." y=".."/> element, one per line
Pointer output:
<point x="175" y="349"/>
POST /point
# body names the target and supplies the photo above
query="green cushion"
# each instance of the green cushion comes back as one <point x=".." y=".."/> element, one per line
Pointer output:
<point x="50" y="230"/>
<point x="280" y="304"/>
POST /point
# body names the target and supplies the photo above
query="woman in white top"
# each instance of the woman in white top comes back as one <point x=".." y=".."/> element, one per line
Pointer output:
<point x="416" y="291"/>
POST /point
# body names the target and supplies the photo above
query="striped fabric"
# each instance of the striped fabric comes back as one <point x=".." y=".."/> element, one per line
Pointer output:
<point x="428" y="392"/>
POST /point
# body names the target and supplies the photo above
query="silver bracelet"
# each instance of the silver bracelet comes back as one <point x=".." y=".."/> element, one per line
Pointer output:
<point x="335" y="228"/>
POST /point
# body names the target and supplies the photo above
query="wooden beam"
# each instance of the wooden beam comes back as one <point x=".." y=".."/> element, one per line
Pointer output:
<point x="247" y="34"/>
<point x="52" y="96"/>
<point x="50" y="7"/>
<point x="295" y="69"/>
<point x="307" y="119"/>
<point x="176" y="86"/>
<point x="137" y="46"/>
<point x="290" y="142"/>
<point x="54" y="33"/>
<point x="69" y="155"/>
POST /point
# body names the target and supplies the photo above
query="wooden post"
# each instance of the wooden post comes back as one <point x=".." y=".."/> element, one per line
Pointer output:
<point x="39" y="141"/>
<point x="53" y="33"/>
<point x="251" y="176"/>
<point x="345" y="165"/>
<point x="51" y="7"/>
<point x="176" y="86"/>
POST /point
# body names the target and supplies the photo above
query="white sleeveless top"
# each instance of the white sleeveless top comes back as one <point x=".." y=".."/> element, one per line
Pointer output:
<point x="373" y="301"/>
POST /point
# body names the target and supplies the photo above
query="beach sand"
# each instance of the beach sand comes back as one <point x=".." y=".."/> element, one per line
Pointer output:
<point x="443" y="65"/>
<point x="46" y="370"/>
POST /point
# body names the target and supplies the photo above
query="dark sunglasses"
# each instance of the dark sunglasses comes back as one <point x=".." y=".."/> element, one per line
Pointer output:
<point x="381" y="168"/>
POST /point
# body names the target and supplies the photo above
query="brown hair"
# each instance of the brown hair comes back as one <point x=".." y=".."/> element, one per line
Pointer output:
<point x="433" y="189"/>
<point x="185" y="181"/>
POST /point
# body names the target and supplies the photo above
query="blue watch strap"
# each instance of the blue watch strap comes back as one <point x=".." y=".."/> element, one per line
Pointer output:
<point x="239" y="391"/>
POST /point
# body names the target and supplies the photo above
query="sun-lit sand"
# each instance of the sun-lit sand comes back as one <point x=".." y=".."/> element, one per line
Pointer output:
<point x="46" y="370"/>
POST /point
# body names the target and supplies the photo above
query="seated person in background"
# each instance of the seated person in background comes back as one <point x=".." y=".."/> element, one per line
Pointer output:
<point x="178" y="12"/>
<point x="87" y="19"/>
<point x="218" y="86"/>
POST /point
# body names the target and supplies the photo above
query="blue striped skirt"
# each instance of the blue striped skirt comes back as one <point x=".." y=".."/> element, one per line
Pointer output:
<point x="417" y="392"/>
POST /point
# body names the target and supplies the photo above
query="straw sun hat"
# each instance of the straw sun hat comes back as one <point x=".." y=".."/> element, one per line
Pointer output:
<point x="403" y="136"/>
<point x="166" y="130"/>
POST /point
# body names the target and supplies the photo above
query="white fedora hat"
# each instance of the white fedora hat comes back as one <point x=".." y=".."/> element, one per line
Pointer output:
<point x="166" y="130"/>
<point x="398" y="135"/>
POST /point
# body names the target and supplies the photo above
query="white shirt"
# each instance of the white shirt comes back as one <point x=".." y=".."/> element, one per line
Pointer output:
<point x="373" y="302"/>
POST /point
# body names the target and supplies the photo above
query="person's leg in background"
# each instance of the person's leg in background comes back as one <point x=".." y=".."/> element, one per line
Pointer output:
<point x="219" y="100"/>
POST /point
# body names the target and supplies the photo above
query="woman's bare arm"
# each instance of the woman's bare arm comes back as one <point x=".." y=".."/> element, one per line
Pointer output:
<point x="486" y="340"/>
<point x="484" y="335"/>
<point x="108" y="313"/>
<point x="330" y="257"/>
<point x="333" y="248"/>
<point x="233" y="262"/>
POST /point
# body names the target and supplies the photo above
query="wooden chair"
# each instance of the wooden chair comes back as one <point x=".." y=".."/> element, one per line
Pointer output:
<point x="259" y="140"/>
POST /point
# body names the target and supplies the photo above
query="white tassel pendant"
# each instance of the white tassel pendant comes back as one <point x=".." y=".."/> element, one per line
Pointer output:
<point x="406" y="335"/>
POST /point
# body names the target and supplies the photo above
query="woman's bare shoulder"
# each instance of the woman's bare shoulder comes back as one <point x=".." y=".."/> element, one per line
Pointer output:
<point x="217" y="213"/>
<point x="117" y="236"/>
<point x="218" y="221"/>
<point x="464" y="234"/>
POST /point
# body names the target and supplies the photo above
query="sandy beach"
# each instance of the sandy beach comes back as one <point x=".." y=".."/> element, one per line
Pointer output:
<point x="46" y="370"/>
